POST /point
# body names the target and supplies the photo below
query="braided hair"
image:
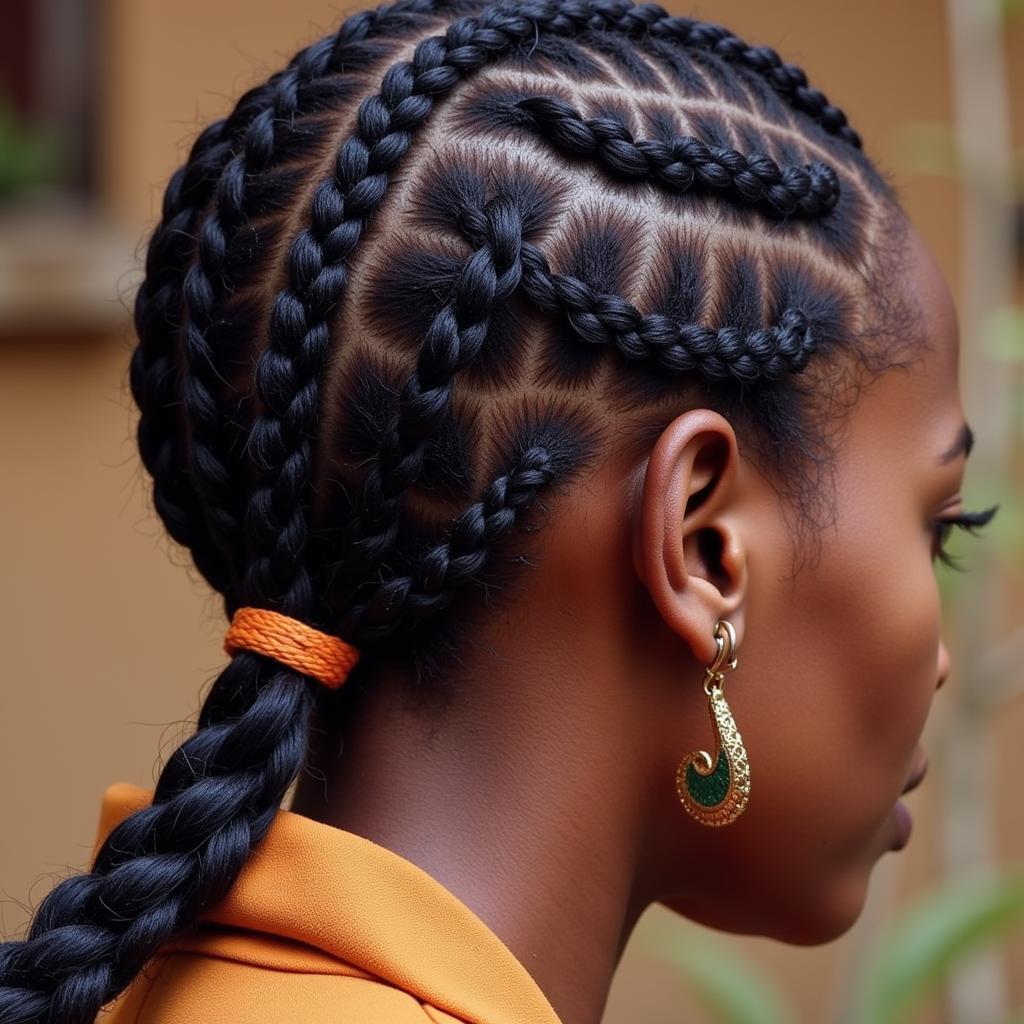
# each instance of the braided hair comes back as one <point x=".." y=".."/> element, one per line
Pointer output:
<point x="592" y="214"/>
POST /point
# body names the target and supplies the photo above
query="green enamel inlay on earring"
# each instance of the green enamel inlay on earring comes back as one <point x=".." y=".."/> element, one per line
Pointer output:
<point x="711" y="789"/>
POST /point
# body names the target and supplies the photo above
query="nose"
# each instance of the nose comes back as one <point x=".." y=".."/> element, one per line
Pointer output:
<point x="945" y="664"/>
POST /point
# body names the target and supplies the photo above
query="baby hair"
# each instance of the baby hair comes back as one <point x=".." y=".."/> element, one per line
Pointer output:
<point x="411" y="288"/>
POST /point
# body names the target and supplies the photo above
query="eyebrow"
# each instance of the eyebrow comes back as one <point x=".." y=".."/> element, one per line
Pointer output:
<point x="964" y="443"/>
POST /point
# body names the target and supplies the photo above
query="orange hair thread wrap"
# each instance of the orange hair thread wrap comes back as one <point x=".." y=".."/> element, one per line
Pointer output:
<point x="296" y="644"/>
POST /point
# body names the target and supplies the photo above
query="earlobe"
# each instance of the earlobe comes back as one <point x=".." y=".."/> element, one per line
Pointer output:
<point x="689" y="549"/>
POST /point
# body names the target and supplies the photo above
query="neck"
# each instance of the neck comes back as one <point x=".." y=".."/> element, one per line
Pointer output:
<point x="537" y="794"/>
<point x="514" y="808"/>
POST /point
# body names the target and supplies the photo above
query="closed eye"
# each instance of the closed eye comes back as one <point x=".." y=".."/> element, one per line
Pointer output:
<point x="969" y="521"/>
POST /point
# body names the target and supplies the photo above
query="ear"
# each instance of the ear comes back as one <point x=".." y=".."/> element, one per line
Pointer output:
<point x="688" y="547"/>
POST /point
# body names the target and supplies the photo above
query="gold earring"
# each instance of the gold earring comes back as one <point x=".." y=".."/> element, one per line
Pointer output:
<point x="715" y="792"/>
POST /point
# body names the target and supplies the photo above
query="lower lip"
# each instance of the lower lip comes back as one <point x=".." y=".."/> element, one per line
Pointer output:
<point x="904" y="825"/>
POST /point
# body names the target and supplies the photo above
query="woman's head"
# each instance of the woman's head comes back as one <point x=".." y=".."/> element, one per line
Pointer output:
<point x="586" y="231"/>
<point x="464" y="288"/>
<point x="840" y="661"/>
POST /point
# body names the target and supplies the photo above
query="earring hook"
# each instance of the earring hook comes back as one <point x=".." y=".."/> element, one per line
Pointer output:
<point x="726" y="659"/>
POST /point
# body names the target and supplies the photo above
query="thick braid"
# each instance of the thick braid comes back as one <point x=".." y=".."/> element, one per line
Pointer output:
<point x="685" y="162"/>
<point x="163" y="865"/>
<point x="299" y="334"/>
<point x="717" y="353"/>
<point x="209" y="464"/>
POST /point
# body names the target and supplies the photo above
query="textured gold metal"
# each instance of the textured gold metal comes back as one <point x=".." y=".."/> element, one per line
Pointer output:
<point x="715" y="790"/>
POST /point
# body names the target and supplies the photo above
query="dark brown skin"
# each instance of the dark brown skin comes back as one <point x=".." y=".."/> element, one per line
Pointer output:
<point x="544" y="796"/>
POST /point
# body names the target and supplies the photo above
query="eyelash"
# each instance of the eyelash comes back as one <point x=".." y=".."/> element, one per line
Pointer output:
<point x="969" y="521"/>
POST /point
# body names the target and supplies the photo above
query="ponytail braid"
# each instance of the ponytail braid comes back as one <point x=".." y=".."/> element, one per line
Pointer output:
<point x="163" y="866"/>
<point x="160" y="868"/>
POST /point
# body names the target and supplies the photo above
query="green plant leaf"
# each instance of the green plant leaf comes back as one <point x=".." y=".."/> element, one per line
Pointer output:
<point x="927" y="147"/>
<point x="1002" y="539"/>
<point x="29" y="157"/>
<point x="921" y="946"/>
<point x="728" y="985"/>
<point x="1002" y="335"/>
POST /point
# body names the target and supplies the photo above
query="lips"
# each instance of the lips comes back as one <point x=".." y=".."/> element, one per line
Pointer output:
<point x="916" y="775"/>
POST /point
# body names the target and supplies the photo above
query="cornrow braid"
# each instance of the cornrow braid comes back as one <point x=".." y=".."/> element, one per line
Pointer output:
<point x="787" y="79"/>
<point x="686" y="162"/>
<point x="248" y="515"/>
<point x="714" y="352"/>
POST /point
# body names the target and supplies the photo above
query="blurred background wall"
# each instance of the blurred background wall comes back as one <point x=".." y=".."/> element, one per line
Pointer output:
<point x="109" y="639"/>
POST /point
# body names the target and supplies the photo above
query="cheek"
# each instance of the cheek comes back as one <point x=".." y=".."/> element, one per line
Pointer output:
<point x="882" y="659"/>
<point x="866" y="669"/>
<point x="831" y="696"/>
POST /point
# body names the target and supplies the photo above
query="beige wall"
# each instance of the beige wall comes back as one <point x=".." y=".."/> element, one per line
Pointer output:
<point x="109" y="643"/>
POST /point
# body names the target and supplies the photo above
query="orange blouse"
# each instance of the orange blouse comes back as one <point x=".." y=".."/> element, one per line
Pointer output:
<point x="324" y="925"/>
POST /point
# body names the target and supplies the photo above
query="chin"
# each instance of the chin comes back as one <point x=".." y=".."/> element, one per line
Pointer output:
<point x="802" y="922"/>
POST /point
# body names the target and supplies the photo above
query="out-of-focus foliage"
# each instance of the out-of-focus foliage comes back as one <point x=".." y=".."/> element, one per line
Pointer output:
<point x="919" y="948"/>
<point x="1002" y="341"/>
<point x="910" y="960"/>
<point x="927" y="147"/>
<point x="930" y="147"/>
<point x="29" y="156"/>
<point x="1004" y="335"/>
<point x="728" y="985"/>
